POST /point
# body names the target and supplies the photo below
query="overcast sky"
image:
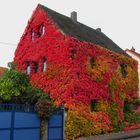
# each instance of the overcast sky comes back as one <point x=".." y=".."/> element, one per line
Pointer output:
<point x="118" y="19"/>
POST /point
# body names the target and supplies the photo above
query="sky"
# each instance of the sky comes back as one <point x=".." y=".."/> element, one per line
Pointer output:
<point x="118" y="19"/>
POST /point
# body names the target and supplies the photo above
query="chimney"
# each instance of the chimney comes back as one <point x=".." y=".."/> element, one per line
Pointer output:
<point x="98" y="29"/>
<point x="133" y="49"/>
<point x="74" y="16"/>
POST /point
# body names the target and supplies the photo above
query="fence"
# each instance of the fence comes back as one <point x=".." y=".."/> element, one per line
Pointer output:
<point x="56" y="125"/>
<point x="18" y="122"/>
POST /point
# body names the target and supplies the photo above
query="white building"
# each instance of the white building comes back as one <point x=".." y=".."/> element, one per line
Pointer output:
<point x="135" y="56"/>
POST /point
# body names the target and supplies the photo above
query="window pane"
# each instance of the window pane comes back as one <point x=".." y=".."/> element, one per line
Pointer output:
<point x="92" y="62"/>
<point x="93" y="105"/>
<point x="44" y="67"/>
<point x="43" y="30"/>
<point x="123" y="70"/>
<point x="35" y="67"/>
<point x="28" y="69"/>
<point x="32" y="35"/>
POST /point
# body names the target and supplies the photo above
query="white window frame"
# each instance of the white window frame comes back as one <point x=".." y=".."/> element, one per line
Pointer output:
<point x="28" y="69"/>
<point x="43" y="30"/>
<point x="33" y="35"/>
<point x="44" y="67"/>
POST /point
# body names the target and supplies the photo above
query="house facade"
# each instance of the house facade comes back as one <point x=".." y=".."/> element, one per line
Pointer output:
<point x="81" y="68"/>
<point x="135" y="56"/>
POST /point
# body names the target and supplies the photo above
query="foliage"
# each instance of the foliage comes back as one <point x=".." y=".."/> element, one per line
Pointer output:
<point x="44" y="107"/>
<point x="77" y="126"/>
<point x="130" y="116"/>
<point x="80" y="124"/>
<point x="13" y="83"/>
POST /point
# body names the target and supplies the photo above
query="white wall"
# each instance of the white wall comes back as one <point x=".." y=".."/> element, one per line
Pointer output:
<point x="138" y="60"/>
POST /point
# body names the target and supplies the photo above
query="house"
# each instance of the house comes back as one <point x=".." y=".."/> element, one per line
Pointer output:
<point x="131" y="52"/>
<point x="2" y="70"/>
<point x="81" y="68"/>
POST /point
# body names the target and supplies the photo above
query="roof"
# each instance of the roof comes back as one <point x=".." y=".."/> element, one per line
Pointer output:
<point x="82" y="32"/>
<point x="133" y="52"/>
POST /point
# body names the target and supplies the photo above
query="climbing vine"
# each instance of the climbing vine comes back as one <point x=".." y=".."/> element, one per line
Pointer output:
<point x="77" y="73"/>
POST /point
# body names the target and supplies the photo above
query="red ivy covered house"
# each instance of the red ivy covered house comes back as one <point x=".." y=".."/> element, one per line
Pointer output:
<point x="79" y="67"/>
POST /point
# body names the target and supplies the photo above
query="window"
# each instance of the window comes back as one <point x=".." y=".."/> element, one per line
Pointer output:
<point x="32" y="35"/>
<point x="123" y="70"/>
<point x="73" y="52"/>
<point x="78" y="75"/>
<point x="28" y="69"/>
<point x="93" y="105"/>
<point x="92" y="62"/>
<point x="44" y="67"/>
<point x="42" y="30"/>
<point x="35" y="67"/>
<point x="127" y="106"/>
<point x="39" y="31"/>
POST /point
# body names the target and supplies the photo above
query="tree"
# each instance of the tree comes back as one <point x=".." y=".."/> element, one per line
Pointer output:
<point x="12" y="83"/>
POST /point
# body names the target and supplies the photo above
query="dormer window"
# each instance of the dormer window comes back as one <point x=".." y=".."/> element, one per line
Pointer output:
<point x="123" y="70"/>
<point x="32" y="35"/>
<point x="44" y="67"/>
<point x="28" y="69"/>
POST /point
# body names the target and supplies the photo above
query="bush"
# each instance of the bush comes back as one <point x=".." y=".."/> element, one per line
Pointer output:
<point x="44" y="107"/>
<point x="12" y="84"/>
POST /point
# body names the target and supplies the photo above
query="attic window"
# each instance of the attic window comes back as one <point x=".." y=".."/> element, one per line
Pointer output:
<point x="93" y="105"/>
<point x="32" y="35"/>
<point x="44" y="67"/>
<point x="123" y="70"/>
<point x="42" y="30"/>
<point x="92" y="62"/>
<point x="35" y="67"/>
<point x="28" y="69"/>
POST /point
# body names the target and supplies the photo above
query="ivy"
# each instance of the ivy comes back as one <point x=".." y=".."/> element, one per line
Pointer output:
<point x="73" y="78"/>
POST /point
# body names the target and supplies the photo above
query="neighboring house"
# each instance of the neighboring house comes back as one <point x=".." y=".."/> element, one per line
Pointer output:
<point x="135" y="56"/>
<point x="2" y="70"/>
<point x="81" y="68"/>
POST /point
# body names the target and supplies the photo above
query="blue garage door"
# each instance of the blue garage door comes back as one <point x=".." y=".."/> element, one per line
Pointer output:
<point x="18" y="122"/>
<point x="56" y="125"/>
